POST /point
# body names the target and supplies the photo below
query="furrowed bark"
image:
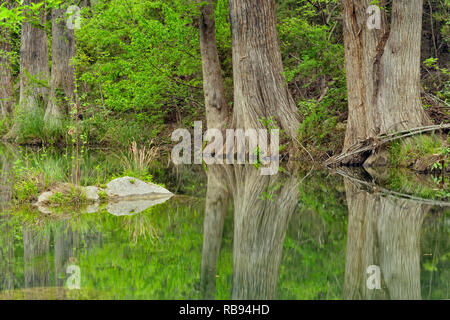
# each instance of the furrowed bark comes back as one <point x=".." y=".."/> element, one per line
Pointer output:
<point x="215" y="102"/>
<point x="383" y="71"/>
<point x="34" y="71"/>
<point x="217" y="112"/>
<point x="6" y="86"/>
<point x="260" y="91"/>
<point x="62" y="84"/>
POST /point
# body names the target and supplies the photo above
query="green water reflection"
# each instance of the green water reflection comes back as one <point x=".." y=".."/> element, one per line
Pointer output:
<point x="232" y="234"/>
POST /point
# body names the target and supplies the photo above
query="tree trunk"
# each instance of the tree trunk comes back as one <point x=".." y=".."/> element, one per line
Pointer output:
<point x="6" y="87"/>
<point x="385" y="232"/>
<point x="215" y="101"/>
<point x="260" y="91"/>
<point x="62" y="84"/>
<point x="383" y="70"/>
<point x="215" y="211"/>
<point x="63" y="244"/>
<point x="36" y="246"/>
<point x="7" y="257"/>
<point x="34" y="71"/>
<point x="263" y="206"/>
<point x="33" y="64"/>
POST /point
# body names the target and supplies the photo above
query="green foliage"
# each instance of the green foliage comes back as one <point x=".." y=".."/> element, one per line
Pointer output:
<point x="140" y="61"/>
<point x="35" y="171"/>
<point x="103" y="195"/>
<point x="423" y="186"/>
<point x="72" y="196"/>
<point x="439" y="80"/>
<point x="443" y="163"/>
<point x="32" y="129"/>
<point x="314" y="69"/>
<point x="157" y="254"/>
<point x="4" y="127"/>
<point x="138" y="161"/>
<point x="26" y="182"/>
<point x="404" y="153"/>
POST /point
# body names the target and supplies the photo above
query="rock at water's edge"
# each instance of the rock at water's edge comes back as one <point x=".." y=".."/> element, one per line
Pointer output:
<point x="128" y="187"/>
<point x="91" y="193"/>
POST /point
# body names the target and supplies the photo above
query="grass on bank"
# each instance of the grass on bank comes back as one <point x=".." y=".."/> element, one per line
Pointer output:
<point x="99" y="128"/>
<point x="34" y="172"/>
<point x="404" y="153"/>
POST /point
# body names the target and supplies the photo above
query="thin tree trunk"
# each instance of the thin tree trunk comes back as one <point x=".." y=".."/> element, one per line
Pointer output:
<point x="36" y="247"/>
<point x="215" y="212"/>
<point x="260" y="91"/>
<point x="215" y="101"/>
<point x="384" y="232"/>
<point x="216" y="118"/>
<point x="62" y="84"/>
<point x="7" y="274"/>
<point x="63" y="251"/>
<point x="6" y="86"/>
<point x="383" y="70"/>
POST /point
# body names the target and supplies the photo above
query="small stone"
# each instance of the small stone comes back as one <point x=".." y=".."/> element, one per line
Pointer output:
<point x="45" y="197"/>
<point x="91" y="193"/>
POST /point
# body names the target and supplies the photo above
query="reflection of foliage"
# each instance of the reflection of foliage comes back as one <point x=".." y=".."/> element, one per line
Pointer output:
<point x="271" y="192"/>
<point x="435" y="258"/>
<point x="314" y="256"/>
<point x="121" y="257"/>
<point x="140" y="227"/>
<point x="167" y="268"/>
<point x="424" y="186"/>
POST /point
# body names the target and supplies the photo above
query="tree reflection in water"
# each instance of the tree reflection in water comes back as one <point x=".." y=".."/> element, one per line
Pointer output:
<point x="263" y="206"/>
<point x="383" y="231"/>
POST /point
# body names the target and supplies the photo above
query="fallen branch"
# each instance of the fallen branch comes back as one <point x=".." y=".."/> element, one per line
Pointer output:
<point x="376" y="142"/>
<point x="374" y="188"/>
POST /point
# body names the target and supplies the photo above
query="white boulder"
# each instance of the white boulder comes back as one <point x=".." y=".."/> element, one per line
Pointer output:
<point x="128" y="187"/>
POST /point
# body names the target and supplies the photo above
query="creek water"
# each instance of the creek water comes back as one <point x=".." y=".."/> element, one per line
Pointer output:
<point x="228" y="233"/>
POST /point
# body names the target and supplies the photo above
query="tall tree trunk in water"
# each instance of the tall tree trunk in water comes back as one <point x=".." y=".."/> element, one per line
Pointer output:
<point x="215" y="101"/>
<point x="6" y="88"/>
<point x="215" y="212"/>
<point x="7" y="259"/>
<point x="263" y="206"/>
<point x="260" y="91"/>
<point x="63" y="251"/>
<point x="383" y="70"/>
<point x="216" y="117"/>
<point x="34" y="71"/>
<point x="7" y="274"/>
<point x="36" y="246"/>
<point x="62" y="84"/>
<point x="384" y="232"/>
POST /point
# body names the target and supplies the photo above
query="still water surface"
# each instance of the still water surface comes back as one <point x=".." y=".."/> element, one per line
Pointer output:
<point x="231" y="234"/>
